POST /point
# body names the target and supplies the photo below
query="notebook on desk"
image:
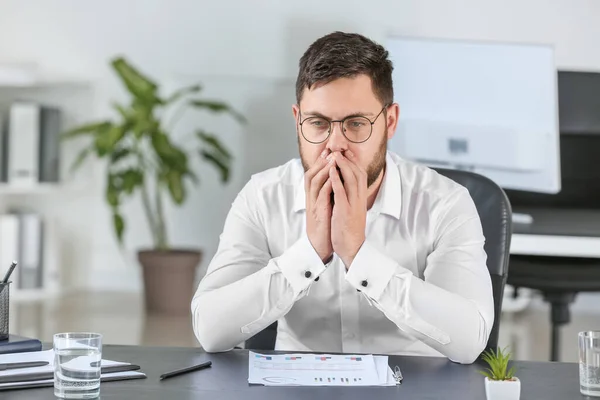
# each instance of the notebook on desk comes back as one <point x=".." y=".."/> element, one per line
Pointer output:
<point x="19" y="344"/>
<point x="118" y="376"/>
<point x="44" y="376"/>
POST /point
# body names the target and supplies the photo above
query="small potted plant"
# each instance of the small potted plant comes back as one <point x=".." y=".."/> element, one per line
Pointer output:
<point x="500" y="382"/>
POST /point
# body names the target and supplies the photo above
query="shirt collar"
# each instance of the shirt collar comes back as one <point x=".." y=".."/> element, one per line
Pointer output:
<point x="299" y="198"/>
<point x="389" y="197"/>
<point x="388" y="200"/>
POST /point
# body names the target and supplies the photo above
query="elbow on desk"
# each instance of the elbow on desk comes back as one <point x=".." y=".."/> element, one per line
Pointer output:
<point x="469" y="351"/>
<point x="207" y="332"/>
<point x="213" y="347"/>
<point x="472" y="342"/>
<point x="209" y="340"/>
<point x="468" y="356"/>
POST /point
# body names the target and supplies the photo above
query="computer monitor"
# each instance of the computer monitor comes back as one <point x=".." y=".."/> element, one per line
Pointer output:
<point x="487" y="107"/>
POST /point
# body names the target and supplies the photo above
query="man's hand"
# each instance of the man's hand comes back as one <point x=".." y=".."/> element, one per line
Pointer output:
<point x="349" y="216"/>
<point x="317" y="185"/>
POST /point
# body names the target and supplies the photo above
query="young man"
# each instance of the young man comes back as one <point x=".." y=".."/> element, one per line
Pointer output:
<point x="350" y="248"/>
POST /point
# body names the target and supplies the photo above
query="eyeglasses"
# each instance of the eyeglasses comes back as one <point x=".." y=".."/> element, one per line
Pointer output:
<point x="356" y="129"/>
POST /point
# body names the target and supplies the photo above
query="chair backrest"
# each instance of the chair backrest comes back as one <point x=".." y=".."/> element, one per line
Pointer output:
<point x="495" y="214"/>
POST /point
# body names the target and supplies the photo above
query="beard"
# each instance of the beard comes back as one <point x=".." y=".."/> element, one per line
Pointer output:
<point x="374" y="169"/>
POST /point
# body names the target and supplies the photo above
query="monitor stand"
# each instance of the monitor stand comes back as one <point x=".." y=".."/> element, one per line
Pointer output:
<point x="522" y="218"/>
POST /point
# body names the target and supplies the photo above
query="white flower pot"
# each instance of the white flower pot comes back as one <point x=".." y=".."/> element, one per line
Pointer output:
<point x="502" y="390"/>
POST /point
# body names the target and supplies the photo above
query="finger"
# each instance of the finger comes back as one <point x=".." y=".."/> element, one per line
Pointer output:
<point x="318" y="181"/>
<point x="339" y="193"/>
<point x="349" y="176"/>
<point x="324" y="198"/>
<point x="317" y="166"/>
<point x="360" y="174"/>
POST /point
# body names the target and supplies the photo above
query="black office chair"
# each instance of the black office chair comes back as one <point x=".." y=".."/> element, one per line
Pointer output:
<point x="559" y="279"/>
<point x="496" y="219"/>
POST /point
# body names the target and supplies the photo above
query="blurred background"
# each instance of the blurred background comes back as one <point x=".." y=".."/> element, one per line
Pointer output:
<point x="56" y="75"/>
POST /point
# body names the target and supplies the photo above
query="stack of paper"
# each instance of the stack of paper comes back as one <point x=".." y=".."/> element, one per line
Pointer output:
<point x="319" y="370"/>
<point x="44" y="376"/>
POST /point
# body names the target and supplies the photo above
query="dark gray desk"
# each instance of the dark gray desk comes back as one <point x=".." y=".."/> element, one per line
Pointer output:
<point x="558" y="233"/>
<point x="424" y="378"/>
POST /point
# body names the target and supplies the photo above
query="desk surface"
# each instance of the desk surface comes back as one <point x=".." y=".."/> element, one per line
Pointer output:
<point x="424" y="378"/>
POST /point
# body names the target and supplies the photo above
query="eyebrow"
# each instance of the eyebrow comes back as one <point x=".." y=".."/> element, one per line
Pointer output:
<point x="355" y="114"/>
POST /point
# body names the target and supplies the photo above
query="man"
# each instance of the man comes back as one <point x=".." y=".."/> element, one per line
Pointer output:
<point x="350" y="248"/>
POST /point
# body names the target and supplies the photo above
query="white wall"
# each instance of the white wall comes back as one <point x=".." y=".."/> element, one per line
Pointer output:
<point x="245" y="52"/>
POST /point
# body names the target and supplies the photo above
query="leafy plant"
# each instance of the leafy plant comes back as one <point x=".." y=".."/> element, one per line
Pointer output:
<point x="498" y="365"/>
<point x="140" y="155"/>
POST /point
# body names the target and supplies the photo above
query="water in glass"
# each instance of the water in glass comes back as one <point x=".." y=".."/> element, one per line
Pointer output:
<point x="77" y="369"/>
<point x="589" y="363"/>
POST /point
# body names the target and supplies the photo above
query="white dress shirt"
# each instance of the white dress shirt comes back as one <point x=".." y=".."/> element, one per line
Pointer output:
<point x="419" y="284"/>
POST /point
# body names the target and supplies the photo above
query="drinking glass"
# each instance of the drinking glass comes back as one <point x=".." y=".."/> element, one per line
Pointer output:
<point x="77" y="359"/>
<point x="589" y="363"/>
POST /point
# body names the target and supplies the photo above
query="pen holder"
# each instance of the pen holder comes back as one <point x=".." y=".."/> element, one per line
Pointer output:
<point x="4" y="306"/>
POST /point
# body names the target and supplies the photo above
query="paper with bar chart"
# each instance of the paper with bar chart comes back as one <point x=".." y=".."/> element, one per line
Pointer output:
<point x="319" y="370"/>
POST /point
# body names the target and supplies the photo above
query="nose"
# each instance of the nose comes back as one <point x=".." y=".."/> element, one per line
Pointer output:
<point x="337" y="141"/>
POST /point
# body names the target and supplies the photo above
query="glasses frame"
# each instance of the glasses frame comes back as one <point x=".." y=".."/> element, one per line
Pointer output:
<point x="341" y="126"/>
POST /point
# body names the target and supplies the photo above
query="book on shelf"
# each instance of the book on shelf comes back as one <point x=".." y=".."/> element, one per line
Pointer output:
<point x="30" y="148"/>
<point x="21" y="239"/>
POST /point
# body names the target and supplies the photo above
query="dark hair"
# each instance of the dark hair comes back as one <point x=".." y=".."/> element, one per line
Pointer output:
<point x="346" y="55"/>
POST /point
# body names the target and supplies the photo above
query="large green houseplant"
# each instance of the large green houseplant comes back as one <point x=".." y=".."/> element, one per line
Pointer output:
<point x="141" y="158"/>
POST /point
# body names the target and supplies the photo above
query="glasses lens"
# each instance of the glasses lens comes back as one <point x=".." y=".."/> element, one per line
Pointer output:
<point x="315" y="129"/>
<point x="357" y="129"/>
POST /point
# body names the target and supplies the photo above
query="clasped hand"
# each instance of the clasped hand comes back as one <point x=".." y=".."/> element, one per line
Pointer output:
<point x="336" y="206"/>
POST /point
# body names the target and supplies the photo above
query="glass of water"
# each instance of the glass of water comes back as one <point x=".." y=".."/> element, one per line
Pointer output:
<point x="589" y="363"/>
<point x="77" y="358"/>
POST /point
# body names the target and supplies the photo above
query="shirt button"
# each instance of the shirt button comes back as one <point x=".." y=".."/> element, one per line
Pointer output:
<point x="364" y="283"/>
<point x="307" y="274"/>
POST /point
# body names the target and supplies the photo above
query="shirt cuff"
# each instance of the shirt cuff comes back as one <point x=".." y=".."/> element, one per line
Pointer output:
<point x="371" y="271"/>
<point x="301" y="265"/>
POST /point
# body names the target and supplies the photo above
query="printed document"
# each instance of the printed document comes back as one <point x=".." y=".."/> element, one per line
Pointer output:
<point x="319" y="370"/>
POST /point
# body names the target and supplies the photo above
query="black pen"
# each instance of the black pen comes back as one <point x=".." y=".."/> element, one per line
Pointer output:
<point x="7" y="276"/>
<point x="10" y="271"/>
<point x="186" y="370"/>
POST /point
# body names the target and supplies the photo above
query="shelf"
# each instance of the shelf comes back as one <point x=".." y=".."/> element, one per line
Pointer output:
<point x="45" y="84"/>
<point x="25" y="295"/>
<point x="43" y="188"/>
<point x="23" y="77"/>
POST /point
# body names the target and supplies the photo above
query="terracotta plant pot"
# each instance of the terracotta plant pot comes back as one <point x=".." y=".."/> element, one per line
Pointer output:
<point x="169" y="279"/>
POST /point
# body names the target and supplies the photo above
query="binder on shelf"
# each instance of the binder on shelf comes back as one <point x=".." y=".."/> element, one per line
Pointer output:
<point x="49" y="149"/>
<point x="3" y="144"/>
<point x="30" y="251"/>
<point x="22" y="238"/>
<point x="32" y="144"/>
<point x="9" y="245"/>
